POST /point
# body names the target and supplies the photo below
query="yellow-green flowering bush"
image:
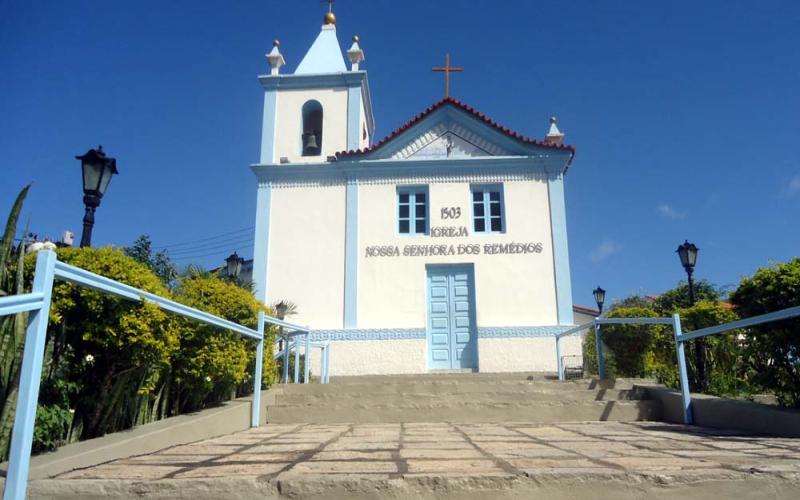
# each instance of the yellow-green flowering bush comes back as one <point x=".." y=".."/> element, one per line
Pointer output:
<point x="214" y="364"/>
<point x="112" y="347"/>
<point x="627" y="346"/>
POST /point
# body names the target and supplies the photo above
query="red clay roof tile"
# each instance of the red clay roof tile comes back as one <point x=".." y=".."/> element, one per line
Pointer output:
<point x="468" y="109"/>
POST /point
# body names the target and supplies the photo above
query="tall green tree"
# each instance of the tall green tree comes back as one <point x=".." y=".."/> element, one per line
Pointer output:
<point x="677" y="298"/>
<point x="159" y="262"/>
<point x="773" y="348"/>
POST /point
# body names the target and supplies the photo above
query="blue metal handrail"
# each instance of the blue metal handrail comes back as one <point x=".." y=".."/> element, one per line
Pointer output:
<point x="597" y="324"/>
<point x="682" y="338"/>
<point x="48" y="269"/>
<point x="20" y="303"/>
<point x="284" y="353"/>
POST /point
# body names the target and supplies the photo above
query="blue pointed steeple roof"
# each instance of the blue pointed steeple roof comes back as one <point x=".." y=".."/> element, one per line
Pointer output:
<point x="324" y="56"/>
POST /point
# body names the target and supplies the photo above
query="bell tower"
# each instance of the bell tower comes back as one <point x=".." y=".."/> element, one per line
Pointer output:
<point x="320" y="109"/>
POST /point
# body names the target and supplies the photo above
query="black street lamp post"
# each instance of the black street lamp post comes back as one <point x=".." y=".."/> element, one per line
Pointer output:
<point x="687" y="252"/>
<point x="599" y="298"/>
<point x="97" y="171"/>
<point x="688" y="255"/>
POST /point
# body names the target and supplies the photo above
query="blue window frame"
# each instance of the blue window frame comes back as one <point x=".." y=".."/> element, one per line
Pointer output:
<point x="412" y="210"/>
<point x="488" y="211"/>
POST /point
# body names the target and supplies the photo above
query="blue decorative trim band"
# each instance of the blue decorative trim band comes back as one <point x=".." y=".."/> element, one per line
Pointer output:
<point x="313" y="81"/>
<point x="268" y="127"/>
<point x="351" y="257"/>
<point x="506" y="332"/>
<point x="261" y="244"/>
<point x="499" y="332"/>
<point x="558" y="228"/>
<point x="353" y="116"/>
<point x="369" y="334"/>
<point x="482" y="169"/>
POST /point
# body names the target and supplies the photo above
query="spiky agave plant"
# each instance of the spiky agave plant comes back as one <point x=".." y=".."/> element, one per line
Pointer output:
<point x="12" y="328"/>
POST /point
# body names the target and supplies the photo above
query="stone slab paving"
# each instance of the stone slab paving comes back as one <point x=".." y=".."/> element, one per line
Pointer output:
<point x="281" y="457"/>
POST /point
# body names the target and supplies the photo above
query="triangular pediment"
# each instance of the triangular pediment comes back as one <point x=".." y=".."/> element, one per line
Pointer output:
<point x="444" y="143"/>
<point x="447" y="133"/>
<point x="450" y="131"/>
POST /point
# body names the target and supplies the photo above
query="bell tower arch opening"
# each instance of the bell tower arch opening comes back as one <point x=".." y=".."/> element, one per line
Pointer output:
<point x="312" y="128"/>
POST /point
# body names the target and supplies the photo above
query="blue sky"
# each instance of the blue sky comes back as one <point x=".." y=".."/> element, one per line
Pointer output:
<point x="685" y="116"/>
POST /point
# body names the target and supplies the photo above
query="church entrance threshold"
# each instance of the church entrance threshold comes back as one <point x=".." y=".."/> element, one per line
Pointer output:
<point x="451" y="330"/>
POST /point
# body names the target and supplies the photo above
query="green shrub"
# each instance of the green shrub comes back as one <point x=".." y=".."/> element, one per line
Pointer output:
<point x="773" y="349"/>
<point x="628" y="344"/>
<point x="115" y="348"/>
<point x="213" y="363"/>
<point x="590" y="352"/>
<point x="53" y="424"/>
<point x="725" y="372"/>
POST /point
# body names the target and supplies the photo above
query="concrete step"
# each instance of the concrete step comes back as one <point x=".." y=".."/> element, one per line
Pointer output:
<point x="459" y="397"/>
<point x="465" y="412"/>
<point x="439" y="394"/>
<point x="448" y="384"/>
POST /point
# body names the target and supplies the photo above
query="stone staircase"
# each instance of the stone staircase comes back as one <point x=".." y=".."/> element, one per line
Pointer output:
<point x="460" y="397"/>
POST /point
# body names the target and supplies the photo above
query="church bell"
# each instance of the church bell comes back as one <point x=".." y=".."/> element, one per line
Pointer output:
<point x="311" y="145"/>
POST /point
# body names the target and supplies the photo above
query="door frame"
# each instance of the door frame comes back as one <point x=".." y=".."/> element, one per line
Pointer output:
<point x="452" y="268"/>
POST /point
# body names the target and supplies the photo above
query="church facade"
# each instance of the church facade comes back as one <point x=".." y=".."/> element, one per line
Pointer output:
<point x="443" y="246"/>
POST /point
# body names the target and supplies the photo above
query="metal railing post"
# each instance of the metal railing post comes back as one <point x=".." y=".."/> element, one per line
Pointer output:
<point x="297" y="360"/>
<point x="286" y="360"/>
<point x="30" y="376"/>
<point x="328" y="364"/>
<point x="325" y="364"/>
<point x="307" y="365"/>
<point x="601" y="361"/>
<point x="255" y="419"/>
<point x="686" y="396"/>
<point x="559" y="365"/>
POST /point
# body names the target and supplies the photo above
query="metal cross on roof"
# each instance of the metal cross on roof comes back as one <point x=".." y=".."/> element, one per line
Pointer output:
<point x="447" y="69"/>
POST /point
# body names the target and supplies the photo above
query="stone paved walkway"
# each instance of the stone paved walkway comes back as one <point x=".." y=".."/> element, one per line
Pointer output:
<point x="387" y="451"/>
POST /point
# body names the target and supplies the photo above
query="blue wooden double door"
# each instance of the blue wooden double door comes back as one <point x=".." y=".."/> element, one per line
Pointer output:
<point x="452" y="332"/>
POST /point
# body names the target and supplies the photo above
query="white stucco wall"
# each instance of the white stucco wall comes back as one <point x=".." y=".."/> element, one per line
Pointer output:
<point x="306" y="253"/>
<point x="290" y="123"/>
<point x="387" y="357"/>
<point x="373" y="357"/>
<point x="524" y="354"/>
<point x="511" y="289"/>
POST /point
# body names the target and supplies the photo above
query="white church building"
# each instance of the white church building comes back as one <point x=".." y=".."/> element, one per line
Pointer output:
<point x="442" y="246"/>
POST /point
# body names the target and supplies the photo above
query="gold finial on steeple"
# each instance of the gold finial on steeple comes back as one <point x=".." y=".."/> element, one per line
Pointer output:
<point x="276" y="43"/>
<point x="355" y="38"/>
<point x="552" y="119"/>
<point x="330" y="17"/>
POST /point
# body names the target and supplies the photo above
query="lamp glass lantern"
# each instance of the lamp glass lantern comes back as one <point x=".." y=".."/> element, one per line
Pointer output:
<point x="688" y="255"/>
<point x="97" y="171"/>
<point x="234" y="265"/>
<point x="599" y="297"/>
